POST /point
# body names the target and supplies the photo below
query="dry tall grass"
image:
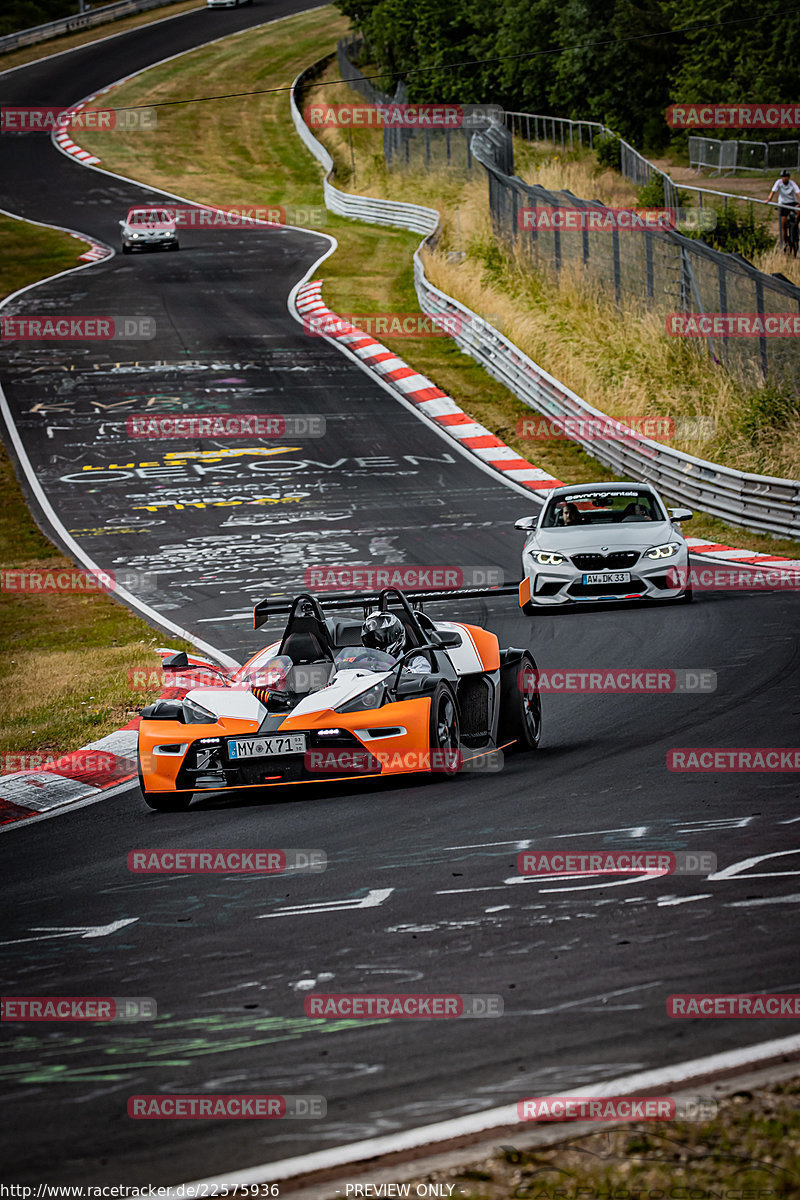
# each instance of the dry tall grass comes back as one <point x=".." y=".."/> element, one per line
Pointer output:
<point x="620" y="361"/>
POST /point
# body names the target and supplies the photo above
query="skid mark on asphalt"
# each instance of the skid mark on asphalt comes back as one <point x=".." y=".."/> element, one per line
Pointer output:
<point x="54" y="1057"/>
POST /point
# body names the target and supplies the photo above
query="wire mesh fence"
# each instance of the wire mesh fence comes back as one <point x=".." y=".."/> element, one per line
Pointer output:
<point x="736" y="155"/>
<point x="654" y="269"/>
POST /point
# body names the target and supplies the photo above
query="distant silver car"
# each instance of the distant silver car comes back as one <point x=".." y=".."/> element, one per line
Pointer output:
<point x="149" y="229"/>
<point x="604" y="541"/>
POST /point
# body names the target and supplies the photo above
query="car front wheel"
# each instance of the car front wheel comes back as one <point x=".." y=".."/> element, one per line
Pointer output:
<point x="445" y="731"/>
<point x="164" y="801"/>
<point x="520" y="705"/>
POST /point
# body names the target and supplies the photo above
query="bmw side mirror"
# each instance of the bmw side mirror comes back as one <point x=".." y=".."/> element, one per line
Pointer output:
<point x="680" y="514"/>
<point x="525" y="523"/>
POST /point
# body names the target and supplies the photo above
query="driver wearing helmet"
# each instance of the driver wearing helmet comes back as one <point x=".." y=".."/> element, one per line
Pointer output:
<point x="385" y="631"/>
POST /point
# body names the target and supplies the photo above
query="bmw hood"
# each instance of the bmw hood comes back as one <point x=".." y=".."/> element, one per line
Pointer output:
<point x="632" y="536"/>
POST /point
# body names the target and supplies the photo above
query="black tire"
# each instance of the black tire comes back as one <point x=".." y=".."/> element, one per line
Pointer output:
<point x="445" y="731"/>
<point x="529" y="609"/>
<point x="164" y="801"/>
<point x="520" y="708"/>
<point x="175" y="246"/>
<point x="126" y="249"/>
<point x="687" y="597"/>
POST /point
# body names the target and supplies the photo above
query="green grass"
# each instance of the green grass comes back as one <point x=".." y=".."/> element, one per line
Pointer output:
<point x="65" y="662"/>
<point x="66" y="656"/>
<point x="31" y="252"/>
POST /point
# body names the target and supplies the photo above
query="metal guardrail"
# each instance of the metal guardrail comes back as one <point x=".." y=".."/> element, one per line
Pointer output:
<point x="73" y="24"/>
<point x="759" y="502"/>
<point x="415" y="217"/>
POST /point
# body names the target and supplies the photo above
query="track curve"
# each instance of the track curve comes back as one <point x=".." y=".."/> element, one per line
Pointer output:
<point x="584" y="969"/>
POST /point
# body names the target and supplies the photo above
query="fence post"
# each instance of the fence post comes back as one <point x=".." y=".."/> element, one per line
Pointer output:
<point x="617" y="270"/>
<point x="648" y="266"/>
<point x="723" y="306"/>
<point x="762" y="341"/>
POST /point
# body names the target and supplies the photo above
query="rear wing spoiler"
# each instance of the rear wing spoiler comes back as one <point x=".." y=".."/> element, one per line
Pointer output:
<point x="282" y="604"/>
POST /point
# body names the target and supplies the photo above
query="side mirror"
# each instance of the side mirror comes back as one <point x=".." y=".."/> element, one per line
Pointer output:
<point x="525" y="523"/>
<point x="680" y="514"/>
<point x="164" y="710"/>
<point x="177" y="661"/>
<point x="123" y="222"/>
<point x="448" y="637"/>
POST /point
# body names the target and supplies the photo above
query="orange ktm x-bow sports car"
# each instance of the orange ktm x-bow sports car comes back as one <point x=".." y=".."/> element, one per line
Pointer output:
<point x="317" y="705"/>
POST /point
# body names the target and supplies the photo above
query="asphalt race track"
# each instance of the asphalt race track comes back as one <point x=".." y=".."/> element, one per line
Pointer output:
<point x="422" y="892"/>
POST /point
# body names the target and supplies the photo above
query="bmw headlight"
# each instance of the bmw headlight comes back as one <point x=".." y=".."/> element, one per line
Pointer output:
<point x="665" y="551"/>
<point x="548" y="558"/>
<point x="196" y="714"/>
<point x="371" y="698"/>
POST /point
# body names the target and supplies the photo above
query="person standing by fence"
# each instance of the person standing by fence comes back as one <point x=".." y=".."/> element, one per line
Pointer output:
<point x="787" y="192"/>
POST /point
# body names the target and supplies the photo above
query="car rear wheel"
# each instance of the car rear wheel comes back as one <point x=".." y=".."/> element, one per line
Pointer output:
<point x="164" y="801"/>
<point x="520" y="706"/>
<point x="445" y="731"/>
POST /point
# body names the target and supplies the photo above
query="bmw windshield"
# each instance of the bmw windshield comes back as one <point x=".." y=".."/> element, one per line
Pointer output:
<point x="597" y="507"/>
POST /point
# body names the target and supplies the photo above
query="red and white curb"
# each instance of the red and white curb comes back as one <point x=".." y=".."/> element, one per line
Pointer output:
<point x="80" y="774"/>
<point x="95" y="253"/>
<point x="731" y="554"/>
<point x="421" y="391"/>
<point x="68" y="146"/>
<point x="75" y="776"/>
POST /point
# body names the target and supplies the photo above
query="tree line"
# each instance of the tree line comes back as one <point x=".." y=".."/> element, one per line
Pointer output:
<point x="614" y="61"/>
